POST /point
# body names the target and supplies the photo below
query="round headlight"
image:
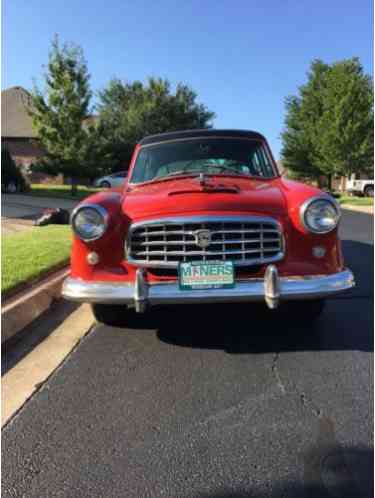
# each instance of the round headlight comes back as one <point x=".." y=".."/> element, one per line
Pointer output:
<point x="320" y="215"/>
<point x="89" y="222"/>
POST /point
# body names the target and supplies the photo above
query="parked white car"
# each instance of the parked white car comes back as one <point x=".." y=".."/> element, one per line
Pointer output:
<point x="109" y="181"/>
<point x="361" y="187"/>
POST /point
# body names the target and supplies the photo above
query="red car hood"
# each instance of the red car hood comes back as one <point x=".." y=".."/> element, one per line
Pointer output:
<point x="219" y="194"/>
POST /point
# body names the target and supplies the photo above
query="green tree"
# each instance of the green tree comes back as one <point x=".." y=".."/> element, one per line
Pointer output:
<point x="58" y="114"/>
<point x="347" y="121"/>
<point x="300" y="138"/>
<point x="130" y="111"/>
<point x="329" y="124"/>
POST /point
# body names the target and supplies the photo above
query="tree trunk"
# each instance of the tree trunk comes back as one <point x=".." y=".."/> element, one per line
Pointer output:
<point x="73" y="185"/>
<point x="321" y="181"/>
<point x="343" y="184"/>
<point x="329" y="178"/>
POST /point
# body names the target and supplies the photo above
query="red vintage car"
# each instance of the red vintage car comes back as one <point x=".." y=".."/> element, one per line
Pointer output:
<point x="205" y="217"/>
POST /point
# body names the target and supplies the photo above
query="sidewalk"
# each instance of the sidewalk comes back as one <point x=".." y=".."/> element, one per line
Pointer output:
<point x="14" y="225"/>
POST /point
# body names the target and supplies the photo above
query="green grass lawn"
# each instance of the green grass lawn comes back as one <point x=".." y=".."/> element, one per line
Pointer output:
<point x="60" y="191"/>
<point x="27" y="256"/>
<point x="356" y="201"/>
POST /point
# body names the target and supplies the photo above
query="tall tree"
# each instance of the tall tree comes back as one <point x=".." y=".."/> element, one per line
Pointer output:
<point x="329" y="124"/>
<point x="347" y="121"/>
<point x="59" y="112"/>
<point x="300" y="137"/>
<point x="129" y="111"/>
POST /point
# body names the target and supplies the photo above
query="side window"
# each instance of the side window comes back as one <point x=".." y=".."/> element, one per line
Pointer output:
<point x="255" y="166"/>
<point x="141" y="172"/>
<point x="259" y="163"/>
<point x="267" y="166"/>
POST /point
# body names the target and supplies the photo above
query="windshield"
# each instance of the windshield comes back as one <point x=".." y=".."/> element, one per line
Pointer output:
<point x="225" y="156"/>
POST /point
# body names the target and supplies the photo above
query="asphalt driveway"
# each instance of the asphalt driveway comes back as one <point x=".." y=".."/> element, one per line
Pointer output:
<point x="220" y="401"/>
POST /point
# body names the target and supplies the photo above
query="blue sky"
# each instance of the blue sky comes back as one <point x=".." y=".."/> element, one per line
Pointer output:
<point x="242" y="57"/>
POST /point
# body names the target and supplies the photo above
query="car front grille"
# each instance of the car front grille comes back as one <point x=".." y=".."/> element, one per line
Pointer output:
<point x="164" y="243"/>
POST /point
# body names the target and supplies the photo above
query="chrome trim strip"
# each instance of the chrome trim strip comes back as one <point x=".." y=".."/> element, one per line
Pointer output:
<point x="180" y="220"/>
<point x="207" y="219"/>
<point x="96" y="207"/>
<point x="286" y="288"/>
<point x="308" y="202"/>
<point x="237" y="264"/>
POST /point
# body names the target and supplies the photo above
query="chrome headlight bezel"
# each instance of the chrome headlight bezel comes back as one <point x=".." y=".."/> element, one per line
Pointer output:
<point x="100" y="210"/>
<point x="306" y="206"/>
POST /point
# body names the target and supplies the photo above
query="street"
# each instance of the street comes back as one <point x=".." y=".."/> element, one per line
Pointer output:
<point x="18" y="211"/>
<point x="215" y="401"/>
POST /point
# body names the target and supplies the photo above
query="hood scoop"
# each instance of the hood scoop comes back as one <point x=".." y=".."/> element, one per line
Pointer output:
<point x="205" y="187"/>
<point x="215" y="189"/>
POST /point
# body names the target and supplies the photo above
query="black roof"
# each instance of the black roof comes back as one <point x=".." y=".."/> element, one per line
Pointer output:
<point x="175" y="135"/>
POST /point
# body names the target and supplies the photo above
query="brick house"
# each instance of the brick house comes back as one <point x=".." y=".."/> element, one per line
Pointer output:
<point x="18" y="136"/>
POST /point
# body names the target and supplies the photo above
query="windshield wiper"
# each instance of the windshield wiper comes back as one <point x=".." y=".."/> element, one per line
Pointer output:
<point x="228" y="168"/>
<point x="181" y="172"/>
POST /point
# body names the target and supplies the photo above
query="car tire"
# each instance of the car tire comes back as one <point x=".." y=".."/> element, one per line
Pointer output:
<point x="304" y="312"/>
<point x="369" y="191"/>
<point x="105" y="185"/>
<point x="11" y="188"/>
<point x="113" y="315"/>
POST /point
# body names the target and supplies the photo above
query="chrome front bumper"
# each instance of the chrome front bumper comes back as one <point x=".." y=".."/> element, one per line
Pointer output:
<point x="271" y="289"/>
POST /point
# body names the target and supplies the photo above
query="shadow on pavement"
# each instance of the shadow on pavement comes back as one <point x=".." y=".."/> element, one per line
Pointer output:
<point x="16" y="348"/>
<point x="346" y="324"/>
<point x="329" y="472"/>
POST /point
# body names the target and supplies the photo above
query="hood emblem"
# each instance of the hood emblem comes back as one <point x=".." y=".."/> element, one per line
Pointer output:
<point x="202" y="238"/>
<point x="202" y="179"/>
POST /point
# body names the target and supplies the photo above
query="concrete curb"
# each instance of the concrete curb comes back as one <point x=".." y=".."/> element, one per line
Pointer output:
<point x="359" y="209"/>
<point x="25" y="307"/>
<point x="27" y="376"/>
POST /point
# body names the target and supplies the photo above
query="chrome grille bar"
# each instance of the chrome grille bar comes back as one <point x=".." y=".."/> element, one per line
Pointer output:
<point x="165" y="242"/>
<point x="202" y="253"/>
<point x="191" y="242"/>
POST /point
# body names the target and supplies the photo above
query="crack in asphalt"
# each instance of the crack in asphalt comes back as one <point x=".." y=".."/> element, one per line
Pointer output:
<point x="305" y="400"/>
<point x="276" y="373"/>
<point x="309" y="404"/>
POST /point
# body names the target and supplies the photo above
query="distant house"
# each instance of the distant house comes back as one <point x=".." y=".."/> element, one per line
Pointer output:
<point x="17" y="133"/>
<point x="19" y="137"/>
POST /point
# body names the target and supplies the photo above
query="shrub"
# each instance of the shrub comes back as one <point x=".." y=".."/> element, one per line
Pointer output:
<point x="10" y="174"/>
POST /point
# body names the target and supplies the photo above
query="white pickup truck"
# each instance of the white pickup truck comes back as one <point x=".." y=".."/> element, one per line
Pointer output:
<point x="361" y="187"/>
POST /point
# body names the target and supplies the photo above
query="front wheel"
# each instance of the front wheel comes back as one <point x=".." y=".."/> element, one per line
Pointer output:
<point x="105" y="184"/>
<point x="303" y="312"/>
<point x="113" y="315"/>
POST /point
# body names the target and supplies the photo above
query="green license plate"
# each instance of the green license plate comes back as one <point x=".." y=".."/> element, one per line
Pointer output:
<point x="198" y="275"/>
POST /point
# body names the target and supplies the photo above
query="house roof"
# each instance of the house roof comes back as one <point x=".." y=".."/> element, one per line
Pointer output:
<point x="15" y="121"/>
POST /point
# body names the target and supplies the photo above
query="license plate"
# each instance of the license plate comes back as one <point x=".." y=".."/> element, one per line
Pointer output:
<point x="198" y="275"/>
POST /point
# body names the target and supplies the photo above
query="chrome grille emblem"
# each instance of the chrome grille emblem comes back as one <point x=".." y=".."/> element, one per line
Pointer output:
<point x="202" y="238"/>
